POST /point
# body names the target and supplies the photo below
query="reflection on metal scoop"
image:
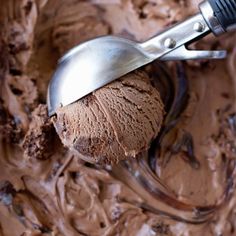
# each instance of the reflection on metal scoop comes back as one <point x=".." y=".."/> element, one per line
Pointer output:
<point x="97" y="62"/>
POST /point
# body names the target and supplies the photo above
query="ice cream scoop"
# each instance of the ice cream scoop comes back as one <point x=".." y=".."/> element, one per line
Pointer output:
<point x="102" y="60"/>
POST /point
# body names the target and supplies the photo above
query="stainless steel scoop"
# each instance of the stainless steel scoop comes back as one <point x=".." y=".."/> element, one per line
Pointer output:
<point x="95" y="63"/>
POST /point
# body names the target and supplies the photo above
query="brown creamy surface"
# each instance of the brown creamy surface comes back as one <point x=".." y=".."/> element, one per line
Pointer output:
<point x="54" y="193"/>
<point x="115" y="122"/>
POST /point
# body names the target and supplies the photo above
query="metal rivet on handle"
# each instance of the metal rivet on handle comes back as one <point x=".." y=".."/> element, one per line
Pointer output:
<point x="170" y="43"/>
<point x="199" y="27"/>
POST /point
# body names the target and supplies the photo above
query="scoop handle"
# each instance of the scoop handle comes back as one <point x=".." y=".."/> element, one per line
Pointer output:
<point x="225" y="12"/>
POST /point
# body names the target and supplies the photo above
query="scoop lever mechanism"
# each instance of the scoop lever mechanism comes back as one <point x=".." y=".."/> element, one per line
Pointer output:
<point x="212" y="17"/>
<point x="182" y="53"/>
<point x="175" y="41"/>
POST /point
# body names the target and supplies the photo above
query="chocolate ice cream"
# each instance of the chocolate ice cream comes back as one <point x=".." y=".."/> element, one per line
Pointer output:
<point x="117" y="121"/>
<point x="184" y="184"/>
<point x="80" y="24"/>
<point x="40" y="135"/>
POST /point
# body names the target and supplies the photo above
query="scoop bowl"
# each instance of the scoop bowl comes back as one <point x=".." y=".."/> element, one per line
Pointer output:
<point x="92" y="65"/>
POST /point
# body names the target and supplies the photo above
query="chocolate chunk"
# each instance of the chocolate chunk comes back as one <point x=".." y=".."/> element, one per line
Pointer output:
<point x="7" y="192"/>
<point x="39" y="140"/>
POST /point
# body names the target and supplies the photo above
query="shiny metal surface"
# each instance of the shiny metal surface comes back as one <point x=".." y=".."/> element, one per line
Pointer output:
<point x="91" y="66"/>
<point x="98" y="62"/>
<point x="186" y="54"/>
<point x="210" y="18"/>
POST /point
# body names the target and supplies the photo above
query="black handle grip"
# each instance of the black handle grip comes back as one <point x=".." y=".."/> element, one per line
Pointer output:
<point x="225" y="12"/>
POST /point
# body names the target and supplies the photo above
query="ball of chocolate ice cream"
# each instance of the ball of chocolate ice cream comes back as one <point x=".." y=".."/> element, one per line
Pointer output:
<point x="115" y="122"/>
